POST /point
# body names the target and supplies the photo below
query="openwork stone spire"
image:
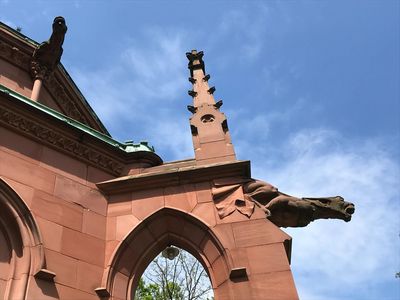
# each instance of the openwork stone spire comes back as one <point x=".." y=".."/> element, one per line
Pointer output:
<point x="210" y="133"/>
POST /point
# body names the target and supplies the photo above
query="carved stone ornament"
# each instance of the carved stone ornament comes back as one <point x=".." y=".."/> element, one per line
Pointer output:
<point x="68" y="106"/>
<point x="48" y="54"/>
<point x="25" y="61"/>
<point x="228" y="196"/>
<point x="281" y="209"/>
<point x="60" y="141"/>
<point x="14" y="55"/>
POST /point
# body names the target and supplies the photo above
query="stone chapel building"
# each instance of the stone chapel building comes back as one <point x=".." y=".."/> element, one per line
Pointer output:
<point x="82" y="215"/>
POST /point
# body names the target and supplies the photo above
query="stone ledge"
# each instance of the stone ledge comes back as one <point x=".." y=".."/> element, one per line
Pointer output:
<point x="177" y="176"/>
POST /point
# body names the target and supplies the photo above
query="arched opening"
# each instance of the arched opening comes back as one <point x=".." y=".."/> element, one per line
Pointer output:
<point x="21" y="252"/>
<point x="174" y="274"/>
<point x="150" y="237"/>
<point x="5" y="260"/>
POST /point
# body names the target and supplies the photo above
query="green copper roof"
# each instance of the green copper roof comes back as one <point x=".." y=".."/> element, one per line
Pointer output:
<point x="128" y="146"/>
<point x="62" y="69"/>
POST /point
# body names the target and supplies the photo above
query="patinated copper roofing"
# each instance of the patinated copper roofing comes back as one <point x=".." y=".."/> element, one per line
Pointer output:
<point x="128" y="146"/>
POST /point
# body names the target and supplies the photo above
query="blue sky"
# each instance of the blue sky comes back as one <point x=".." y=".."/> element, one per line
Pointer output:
<point x="310" y="89"/>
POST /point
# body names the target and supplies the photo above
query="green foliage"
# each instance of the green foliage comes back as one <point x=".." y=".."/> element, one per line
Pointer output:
<point x="182" y="278"/>
<point x="152" y="291"/>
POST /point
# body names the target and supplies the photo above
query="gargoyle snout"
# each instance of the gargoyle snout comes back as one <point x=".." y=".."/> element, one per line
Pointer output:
<point x="350" y="209"/>
<point x="59" y="20"/>
<point x="59" y="24"/>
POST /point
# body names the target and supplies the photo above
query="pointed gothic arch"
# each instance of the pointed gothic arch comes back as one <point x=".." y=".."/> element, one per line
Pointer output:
<point x="165" y="227"/>
<point x="24" y="243"/>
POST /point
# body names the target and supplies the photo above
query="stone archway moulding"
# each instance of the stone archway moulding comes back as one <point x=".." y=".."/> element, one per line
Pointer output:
<point x="25" y="242"/>
<point x="164" y="227"/>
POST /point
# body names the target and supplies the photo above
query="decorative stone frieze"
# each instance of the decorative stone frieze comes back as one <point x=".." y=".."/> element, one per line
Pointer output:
<point x="55" y="88"/>
<point x="60" y="141"/>
<point x="14" y="55"/>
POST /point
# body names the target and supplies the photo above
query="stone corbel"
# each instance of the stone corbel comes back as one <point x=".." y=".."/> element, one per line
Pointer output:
<point x="228" y="196"/>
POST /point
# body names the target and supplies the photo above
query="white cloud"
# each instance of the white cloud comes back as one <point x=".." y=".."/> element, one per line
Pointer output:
<point x="152" y="69"/>
<point x="314" y="162"/>
<point x="251" y="130"/>
<point x="173" y="135"/>
<point x="137" y="92"/>
<point x="242" y="29"/>
<point x="338" y="255"/>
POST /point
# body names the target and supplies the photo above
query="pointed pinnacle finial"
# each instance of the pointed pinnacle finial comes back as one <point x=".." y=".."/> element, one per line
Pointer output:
<point x="195" y="61"/>
<point x="209" y="127"/>
<point x="201" y="92"/>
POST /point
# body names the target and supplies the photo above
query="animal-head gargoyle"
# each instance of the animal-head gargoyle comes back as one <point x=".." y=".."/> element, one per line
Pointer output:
<point x="281" y="209"/>
<point x="48" y="54"/>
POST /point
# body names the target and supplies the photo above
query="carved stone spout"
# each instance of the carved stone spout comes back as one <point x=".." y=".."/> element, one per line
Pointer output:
<point x="48" y="54"/>
<point x="288" y="211"/>
<point x="281" y="209"/>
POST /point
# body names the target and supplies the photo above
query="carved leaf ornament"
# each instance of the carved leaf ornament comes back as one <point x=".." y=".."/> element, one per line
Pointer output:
<point x="228" y="196"/>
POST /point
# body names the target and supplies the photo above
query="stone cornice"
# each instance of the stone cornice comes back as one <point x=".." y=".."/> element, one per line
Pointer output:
<point x="177" y="176"/>
<point x="18" y="50"/>
<point x="68" y="136"/>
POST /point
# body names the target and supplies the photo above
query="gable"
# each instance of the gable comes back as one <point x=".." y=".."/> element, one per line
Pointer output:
<point x="59" y="93"/>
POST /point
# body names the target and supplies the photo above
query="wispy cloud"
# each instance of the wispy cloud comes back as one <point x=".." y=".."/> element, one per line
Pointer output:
<point x="140" y="91"/>
<point x="152" y="69"/>
<point x="310" y="162"/>
<point x="255" y="133"/>
<point x="158" y="65"/>
<point x="242" y="30"/>
<point x="321" y="162"/>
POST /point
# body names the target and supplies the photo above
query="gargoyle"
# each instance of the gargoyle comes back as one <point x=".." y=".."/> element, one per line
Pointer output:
<point x="281" y="209"/>
<point x="48" y="54"/>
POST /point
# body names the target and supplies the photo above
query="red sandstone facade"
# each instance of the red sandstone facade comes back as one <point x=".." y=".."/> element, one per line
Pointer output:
<point x="82" y="215"/>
